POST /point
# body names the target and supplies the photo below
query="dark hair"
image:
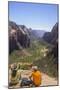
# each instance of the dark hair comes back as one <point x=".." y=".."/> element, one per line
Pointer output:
<point x="14" y="71"/>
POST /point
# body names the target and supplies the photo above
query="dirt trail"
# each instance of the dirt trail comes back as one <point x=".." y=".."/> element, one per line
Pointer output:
<point x="46" y="80"/>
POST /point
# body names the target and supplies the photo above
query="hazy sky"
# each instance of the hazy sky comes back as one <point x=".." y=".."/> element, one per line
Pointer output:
<point x="35" y="16"/>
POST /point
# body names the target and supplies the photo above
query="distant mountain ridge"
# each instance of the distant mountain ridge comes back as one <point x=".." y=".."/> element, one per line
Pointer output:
<point x="38" y="33"/>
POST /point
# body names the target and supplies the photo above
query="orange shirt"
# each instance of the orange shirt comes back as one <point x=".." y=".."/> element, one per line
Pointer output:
<point x="36" y="78"/>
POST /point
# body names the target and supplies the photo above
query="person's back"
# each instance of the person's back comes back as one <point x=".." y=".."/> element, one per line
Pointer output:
<point x="36" y="75"/>
<point x="14" y="77"/>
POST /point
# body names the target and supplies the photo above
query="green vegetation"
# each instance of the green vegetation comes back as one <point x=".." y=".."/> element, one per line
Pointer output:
<point x="36" y="57"/>
<point x="47" y="65"/>
<point x="34" y="51"/>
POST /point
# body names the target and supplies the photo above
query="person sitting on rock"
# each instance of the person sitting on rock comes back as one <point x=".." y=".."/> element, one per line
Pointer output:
<point x="36" y="76"/>
<point x="15" y="76"/>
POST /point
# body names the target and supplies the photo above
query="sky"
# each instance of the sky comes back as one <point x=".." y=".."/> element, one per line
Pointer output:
<point x="32" y="15"/>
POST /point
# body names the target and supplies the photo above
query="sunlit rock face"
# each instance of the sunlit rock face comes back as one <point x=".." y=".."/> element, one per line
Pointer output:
<point x="19" y="36"/>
